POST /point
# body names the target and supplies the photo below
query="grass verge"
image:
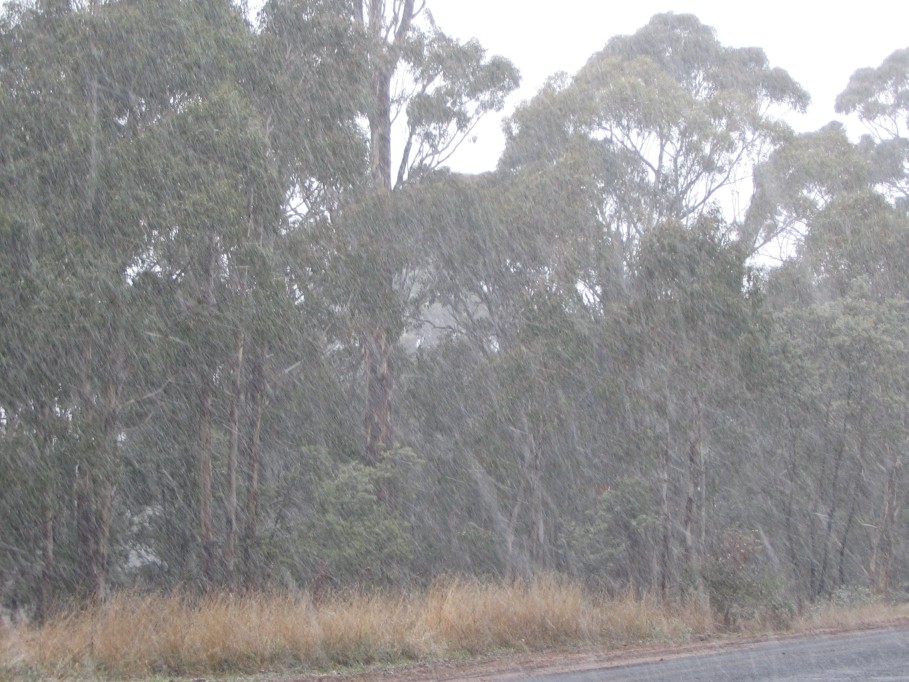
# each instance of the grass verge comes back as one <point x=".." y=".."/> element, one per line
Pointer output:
<point x="136" y="636"/>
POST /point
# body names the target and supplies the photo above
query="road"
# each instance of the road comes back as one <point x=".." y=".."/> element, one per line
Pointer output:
<point x="876" y="655"/>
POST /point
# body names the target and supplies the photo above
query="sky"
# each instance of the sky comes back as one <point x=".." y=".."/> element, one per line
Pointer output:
<point x="819" y="44"/>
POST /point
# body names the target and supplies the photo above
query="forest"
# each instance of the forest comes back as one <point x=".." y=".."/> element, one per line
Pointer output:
<point x="255" y="334"/>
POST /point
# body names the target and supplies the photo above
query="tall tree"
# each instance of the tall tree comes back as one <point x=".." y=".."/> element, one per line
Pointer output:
<point x="448" y="88"/>
<point x="664" y="126"/>
<point x="880" y="98"/>
<point x="60" y="139"/>
<point x="98" y="99"/>
<point x="431" y="90"/>
<point x="797" y="182"/>
<point x="835" y="305"/>
<point x="671" y="120"/>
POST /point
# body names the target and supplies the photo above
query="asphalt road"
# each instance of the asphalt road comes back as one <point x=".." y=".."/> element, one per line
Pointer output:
<point x="876" y="655"/>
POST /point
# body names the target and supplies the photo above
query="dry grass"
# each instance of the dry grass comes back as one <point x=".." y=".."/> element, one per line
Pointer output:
<point x="831" y="616"/>
<point x="135" y="636"/>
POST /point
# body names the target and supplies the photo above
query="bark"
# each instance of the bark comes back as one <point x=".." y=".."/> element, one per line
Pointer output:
<point x="694" y="521"/>
<point x="379" y="391"/>
<point x="533" y="465"/>
<point x="850" y="519"/>
<point x="208" y="272"/>
<point x="380" y="126"/>
<point x="48" y="569"/>
<point x="515" y="559"/>
<point x="881" y="568"/>
<point x="95" y="473"/>
<point x="832" y="508"/>
<point x="250" y="532"/>
<point x="688" y="520"/>
<point x="383" y="61"/>
<point x="795" y="550"/>
<point x="538" y="521"/>
<point x="94" y="501"/>
<point x="206" y="522"/>
<point x="46" y="597"/>
<point x="665" y="558"/>
<point x="233" y="427"/>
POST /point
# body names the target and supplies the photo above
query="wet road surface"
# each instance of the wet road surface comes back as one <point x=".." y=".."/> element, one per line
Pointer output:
<point x="877" y="655"/>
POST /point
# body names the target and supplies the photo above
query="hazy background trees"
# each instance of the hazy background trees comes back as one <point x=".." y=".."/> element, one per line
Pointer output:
<point x="254" y="333"/>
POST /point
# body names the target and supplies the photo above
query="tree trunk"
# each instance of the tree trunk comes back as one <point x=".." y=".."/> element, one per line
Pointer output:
<point x="533" y="466"/>
<point x="383" y="60"/>
<point x="850" y="519"/>
<point x="94" y="501"/>
<point x="694" y="521"/>
<point x="48" y="569"/>
<point x="206" y="522"/>
<point x="209" y="268"/>
<point x="254" y="463"/>
<point x="833" y="507"/>
<point x="380" y="125"/>
<point x="46" y="597"/>
<point x="95" y="473"/>
<point x="379" y="388"/>
<point x="665" y="554"/>
<point x="377" y="346"/>
<point x="881" y="568"/>
<point x="233" y="427"/>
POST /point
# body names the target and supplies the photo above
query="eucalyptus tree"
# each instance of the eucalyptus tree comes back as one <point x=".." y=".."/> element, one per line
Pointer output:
<point x="408" y="79"/>
<point x="60" y="136"/>
<point x="138" y="175"/>
<point x="210" y="200"/>
<point x="663" y="129"/>
<point x="880" y="98"/>
<point x="836" y="410"/>
<point x="837" y="306"/>
<point x="797" y="182"/>
<point x="208" y="197"/>
<point x="838" y="345"/>
<point x="507" y="285"/>
<point x="672" y="121"/>
<point x="36" y="429"/>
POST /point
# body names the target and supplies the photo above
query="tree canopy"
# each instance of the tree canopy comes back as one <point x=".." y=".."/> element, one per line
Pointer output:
<point x="255" y="333"/>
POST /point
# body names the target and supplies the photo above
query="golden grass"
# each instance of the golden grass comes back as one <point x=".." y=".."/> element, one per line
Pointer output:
<point x="830" y="616"/>
<point x="134" y="636"/>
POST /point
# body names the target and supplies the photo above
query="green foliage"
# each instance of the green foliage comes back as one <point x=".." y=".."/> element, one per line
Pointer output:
<point x="879" y="94"/>
<point x="455" y="87"/>
<point x="351" y="535"/>
<point x="311" y="76"/>
<point x="742" y="588"/>
<point x="616" y="540"/>
<point x="880" y="98"/>
<point x="798" y="180"/>
<point x="675" y="117"/>
<point x="198" y="249"/>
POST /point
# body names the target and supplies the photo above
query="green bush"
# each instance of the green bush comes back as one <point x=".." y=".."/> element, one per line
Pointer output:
<point x="354" y="536"/>
<point x="741" y="589"/>
<point x="614" y="545"/>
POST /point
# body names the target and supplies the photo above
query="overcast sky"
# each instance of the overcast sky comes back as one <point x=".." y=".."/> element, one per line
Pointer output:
<point x="819" y="44"/>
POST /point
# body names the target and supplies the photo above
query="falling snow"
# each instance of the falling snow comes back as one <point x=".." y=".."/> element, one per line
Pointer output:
<point x="255" y="333"/>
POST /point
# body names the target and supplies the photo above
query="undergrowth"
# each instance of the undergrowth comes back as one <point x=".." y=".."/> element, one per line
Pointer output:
<point x="138" y="636"/>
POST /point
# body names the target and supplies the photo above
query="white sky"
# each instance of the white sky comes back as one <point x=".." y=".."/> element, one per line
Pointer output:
<point x="820" y="44"/>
